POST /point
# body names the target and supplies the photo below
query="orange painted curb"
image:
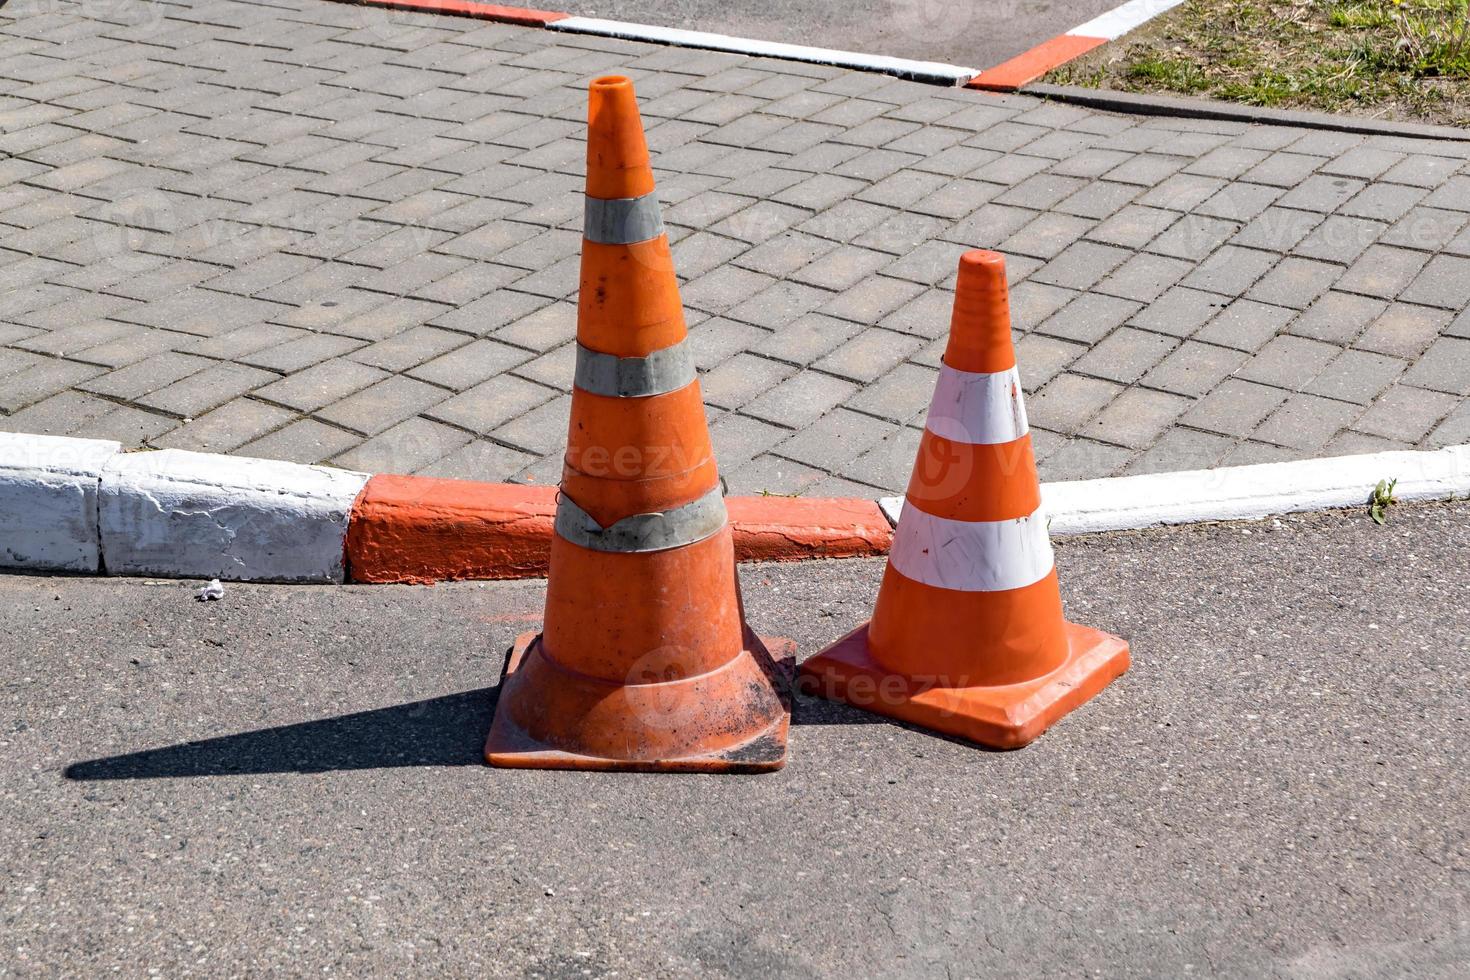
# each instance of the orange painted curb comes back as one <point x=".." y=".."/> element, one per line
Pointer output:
<point x="790" y="528"/>
<point x="419" y="530"/>
<point x="524" y="16"/>
<point x="1031" y="65"/>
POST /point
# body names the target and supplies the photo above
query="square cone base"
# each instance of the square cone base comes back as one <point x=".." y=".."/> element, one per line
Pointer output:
<point x="1002" y="717"/>
<point x="508" y="747"/>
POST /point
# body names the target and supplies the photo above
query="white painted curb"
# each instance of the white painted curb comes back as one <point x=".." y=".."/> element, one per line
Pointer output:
<point x="1120" y="20"/>
<point x="933" y="72"/>
<point x="199" y="515"/>
<point x="1244" y="492"/>
<point x="48" y="501"/>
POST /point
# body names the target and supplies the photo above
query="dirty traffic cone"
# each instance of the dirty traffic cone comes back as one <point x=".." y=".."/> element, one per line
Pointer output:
<point x="645" y="662"/>
<point x="967" y="636"/>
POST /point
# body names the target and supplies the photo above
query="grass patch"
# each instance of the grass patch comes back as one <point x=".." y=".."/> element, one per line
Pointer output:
<point x="1377" y="58"/>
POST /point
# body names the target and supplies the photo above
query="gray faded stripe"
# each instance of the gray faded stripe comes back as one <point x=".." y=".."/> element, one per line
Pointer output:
<point x="660" y="372"/>
<point x="623" y="220"/>
<point x="675" y="528"/>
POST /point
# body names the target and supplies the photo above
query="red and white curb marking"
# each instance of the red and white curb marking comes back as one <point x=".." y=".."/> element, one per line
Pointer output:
<point x="1031" y="65"/>
<point x="1232" y="493"/>
<point x="933" y="72"/>
<point x="81" y="505"/>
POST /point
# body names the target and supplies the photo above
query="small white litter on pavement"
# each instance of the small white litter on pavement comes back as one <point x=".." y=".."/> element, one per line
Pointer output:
<point x="214" y="590"/>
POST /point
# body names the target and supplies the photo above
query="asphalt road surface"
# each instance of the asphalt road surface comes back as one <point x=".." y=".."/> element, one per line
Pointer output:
<point x="973" y="33"/>
<point x="288" y="781"/>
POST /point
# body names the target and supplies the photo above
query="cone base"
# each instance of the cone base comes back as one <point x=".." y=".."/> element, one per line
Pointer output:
<point x="1001" y="717"/>
<point x="509" y="746"/>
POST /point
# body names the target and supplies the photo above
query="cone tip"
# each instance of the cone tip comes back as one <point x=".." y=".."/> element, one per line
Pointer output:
<point x="617" y="155"/>
<point x="980" y="330"/>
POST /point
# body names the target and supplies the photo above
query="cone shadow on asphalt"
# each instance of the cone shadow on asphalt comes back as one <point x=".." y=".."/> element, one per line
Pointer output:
<point x="443" y="731"/>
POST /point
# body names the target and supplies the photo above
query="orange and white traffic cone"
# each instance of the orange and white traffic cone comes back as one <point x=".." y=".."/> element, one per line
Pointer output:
<point x="645" y="662"/>
<point x="967" y="636"/>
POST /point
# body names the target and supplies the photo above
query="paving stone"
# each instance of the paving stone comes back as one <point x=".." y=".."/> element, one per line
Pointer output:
<point x="303" y="441"/>
<point x="802" y="399"/>
<point x="869" y="355"/>
<point x="469" y="365"/>
<point x="1444" y="282"/>
<point x="1323" y="192"/>
<point x="1383" y="202"/>
<point x="1234" y="408"/>
<point x="1252" y="453"/>
<point x="1405" y="413"/>
<point x="1421" y="170"/>
<point x="1340" y="239"/>
<point x="872" y="299"/>
<point x="1230" y="270"/>
<point x="1427" y="229"/>
<point x="1144" y="277"/>
<point x="738" y="439"/>
<point x="228" y="427"/>
<point x="404" y="448"/>
<point x="1078" y="459"/>
<point x="1337" y="317"/>
<point x="1069" y="401"/>
<point x="1383" y="271"/>
<point x="1089" y="318"/>
<point x="716" y="340"/>
<point x="1445" y="366"/>
<point x="145" y="376"/>
<point x="1241" y="202"/>
<point x="1136" y="418"/>
<point x="1039" y="359"/>
<point x="1081" y="266"/>
<point x="1245" y="324"/>
<point x="887" y="465"/>
<point x="480" y="461"/>
<point x="1453" y="431"/>
<point x="1133" y="227"/>
<point x="1306" y="422"/>
<point x="193" y="396"/>
<point x="1179" y="312"/>
<point x="1295" y="282"/>
<point x="1181" y="449"/>
<point x="541" y="431"/>
<point x="133" y="427"/>
<point x="1363" y="162"/>
<point x="900" y="395"/>
<point x="1357" y="376"/>
<point x="741" y="378"/>
<point x="491" y="404"/>
<point x="321" y="384"/>
<point x="836" y="439"/>
<point x="773" y="475"/>
<point x="1125" y="355"/>
<point x="1193" y="237"/>
<point x="1403" y="330"/>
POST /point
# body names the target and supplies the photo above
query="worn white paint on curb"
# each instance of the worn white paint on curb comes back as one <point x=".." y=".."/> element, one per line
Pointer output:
<point x="933" y="72"/>
<point x="1244" y="492"/>
<point x="183" y="514"/>
<point x="1120" y="20"/>
<point x="48" y="501"/>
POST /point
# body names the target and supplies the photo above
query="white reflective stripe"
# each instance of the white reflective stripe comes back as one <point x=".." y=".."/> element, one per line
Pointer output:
<point x="972" y="407"/>
<point x="971" y="556"/>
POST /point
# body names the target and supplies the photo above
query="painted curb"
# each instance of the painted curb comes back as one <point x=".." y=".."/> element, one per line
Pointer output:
<point x="523" y="16"/>
<point x="1153" y="104"/>
<point x="1244" y="492"/>
<point x="200" y="515"/>
<point x="417" y="530"/>
<point x="1008" y="76"/>
<point x="932" y="72"/>
<point x="48" y="501"/>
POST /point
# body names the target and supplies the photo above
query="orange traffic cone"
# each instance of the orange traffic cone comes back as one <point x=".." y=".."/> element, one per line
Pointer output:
<point x="645" y="662"/>
<point x="967" y="636"/>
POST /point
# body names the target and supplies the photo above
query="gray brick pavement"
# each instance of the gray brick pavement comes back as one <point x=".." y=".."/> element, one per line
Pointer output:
<point x="318" y="232"/>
